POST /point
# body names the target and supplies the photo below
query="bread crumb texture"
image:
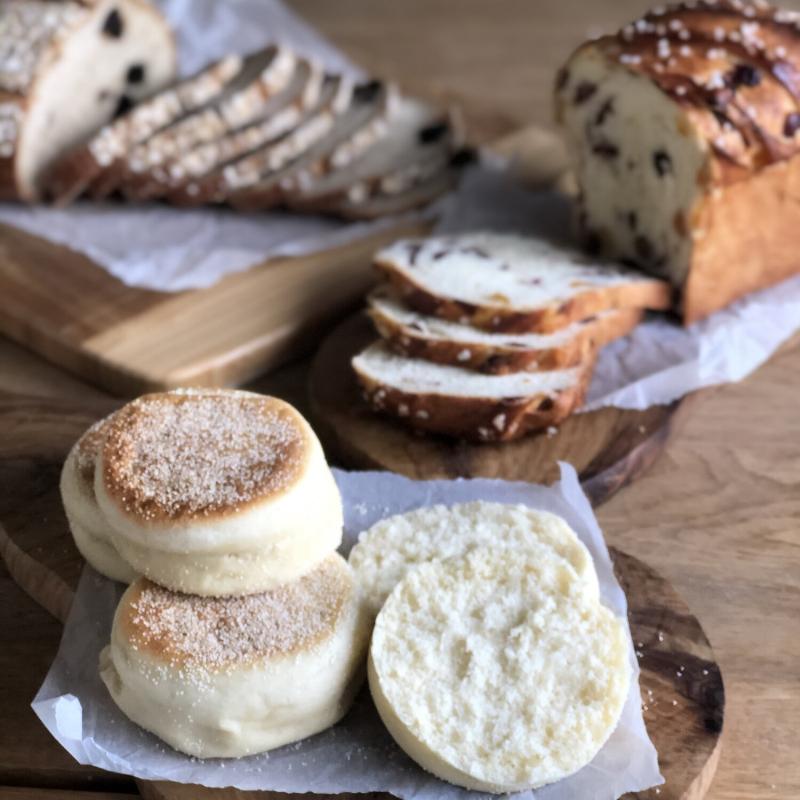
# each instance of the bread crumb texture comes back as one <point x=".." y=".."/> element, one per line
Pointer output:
<point x="495" y="671"/>
<point x="193" y="454"/>
<point x="391" y="547"/>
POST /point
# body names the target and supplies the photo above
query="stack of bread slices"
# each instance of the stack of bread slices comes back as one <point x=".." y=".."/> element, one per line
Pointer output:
<point x="242" y="628"/>
<point x="487" y="336"/>
<point x="265" y="130"/>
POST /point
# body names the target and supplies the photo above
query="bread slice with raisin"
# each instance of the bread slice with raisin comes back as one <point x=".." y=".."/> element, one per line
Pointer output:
<point x="416" y="335"/>
<point x="508" y="283"/>
<point x="464" y="404"/>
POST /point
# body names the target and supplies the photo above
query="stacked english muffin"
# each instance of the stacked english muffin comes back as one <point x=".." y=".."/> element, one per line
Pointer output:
<point x="246" y="629"/>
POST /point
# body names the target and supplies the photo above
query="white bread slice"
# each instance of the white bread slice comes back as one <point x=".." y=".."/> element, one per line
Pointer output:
<point x="287" y="130"/>
<point x="390" y="548"/>
<point x="95" y="163"/>
<point x="253" y="185"/>
<point x="418" y="138"/>
<point x="465" y="404"/>
<point x="267" y="73"/>
<point x="72" y="66"/>
<point x="494" y="671"/>
<point x="508" y="283"/>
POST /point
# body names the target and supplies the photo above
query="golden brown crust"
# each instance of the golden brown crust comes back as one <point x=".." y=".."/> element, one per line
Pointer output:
<point x="750" y="240"/>
<point x="500" y="360"/>
<point x="474" y="418"/>
<point x="211" y="634"/>
<point x="192" y="455"/>
<point x="652" y="294"/>
<point x="734" y="67"/>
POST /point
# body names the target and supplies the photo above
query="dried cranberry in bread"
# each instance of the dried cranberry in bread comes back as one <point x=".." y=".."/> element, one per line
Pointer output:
<point x="96" y="164"/>
<point x="67" y="68"/>
<point x="420" y="336"/>
<point x="289" y="127"/>
<point x="502" y="282"/>
<point x="684" y="131"/>
<point x="460" y="403"/>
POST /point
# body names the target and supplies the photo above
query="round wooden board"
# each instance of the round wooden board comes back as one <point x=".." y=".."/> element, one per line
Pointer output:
<point x="609" y="447"/>
<point x="681" y="683"/>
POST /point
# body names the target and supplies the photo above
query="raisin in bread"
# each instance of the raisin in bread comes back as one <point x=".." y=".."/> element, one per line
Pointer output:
<point x="461" y="403"/>
<point x="66" y="68"/>
<point x="418" y="335"/>
<point x="508" y="283"/>
<point x="96" y="163"/>
<point x="683" y="129"/>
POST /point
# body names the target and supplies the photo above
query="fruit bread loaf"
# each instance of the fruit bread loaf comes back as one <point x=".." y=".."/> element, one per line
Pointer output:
<point x="507" y="283"/>
<point x="465" y="404"/>
<point x="432" y="339"/>
<point x="684" y="129"/>
<point x="66" y="68"/>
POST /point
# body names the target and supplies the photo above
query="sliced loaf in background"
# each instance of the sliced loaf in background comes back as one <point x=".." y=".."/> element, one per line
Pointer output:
<point x="464" y="404"/>
<point x="507" y="283"/>
<point x="416" y="335"/>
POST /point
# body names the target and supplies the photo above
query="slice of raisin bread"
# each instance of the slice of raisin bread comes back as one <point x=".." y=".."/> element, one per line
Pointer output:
<point x="252" y="185"/>
<point x="418" y="143"/>
<point x="508" y="283"/>
<point x="464" y="404"/>
<point x="150" y="169"/>
<point x="287" y="130"/>
<point x="71" y="67"/>
<point x="416" y="335"/>
<point x="95" y="163"/>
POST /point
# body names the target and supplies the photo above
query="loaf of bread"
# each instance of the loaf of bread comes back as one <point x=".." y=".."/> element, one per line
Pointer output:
<point x="684" y="133"/>
<point x="66" y="68"/>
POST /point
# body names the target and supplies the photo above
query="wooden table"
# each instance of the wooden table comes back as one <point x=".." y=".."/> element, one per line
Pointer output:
<point x="719" y="514"/>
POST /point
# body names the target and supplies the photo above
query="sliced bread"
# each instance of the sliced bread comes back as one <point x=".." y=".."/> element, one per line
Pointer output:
<point x="146" y="173"/>
<point x="410" y="333"/>
<point x="72" y="66"/>
<point x="419" y="142"/>
<point x="253" y="185"/>
<point x="287" y="130"/>
<point x="392" y="547"/>
<point x="465" y="404"/>
<point x="508" y="283"/>
<point x="94" y="163"/>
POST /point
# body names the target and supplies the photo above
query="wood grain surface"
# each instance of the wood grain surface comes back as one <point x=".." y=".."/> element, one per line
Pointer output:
<point x="681" y="684"/>
<point x="718" y="515"/>
<point x="609" y="448"/>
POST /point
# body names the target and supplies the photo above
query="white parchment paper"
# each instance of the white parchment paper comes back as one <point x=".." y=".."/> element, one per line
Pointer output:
<point x="167" y="249"/>
<point x="357" y="755"/>
<point x="661" y="361"/>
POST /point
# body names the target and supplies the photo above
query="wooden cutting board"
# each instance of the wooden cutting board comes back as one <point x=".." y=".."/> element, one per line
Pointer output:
<point x="681" y="682"/>
<point x="72" y="312"/>
<point x="609" y="447"/>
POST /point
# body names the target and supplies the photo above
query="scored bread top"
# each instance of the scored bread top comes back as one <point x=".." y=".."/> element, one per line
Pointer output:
<point x="507" y="282"/>
<point x="496" y="672"/>
<point x="393" y="546"/>
<point x="215" y="634"/>
<point x="198" y="454"/>
<point x="730" y="65"/>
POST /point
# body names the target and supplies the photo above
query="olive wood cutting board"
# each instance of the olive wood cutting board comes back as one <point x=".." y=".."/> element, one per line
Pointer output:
<point x="682" y="688"/>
